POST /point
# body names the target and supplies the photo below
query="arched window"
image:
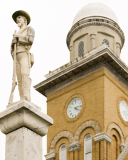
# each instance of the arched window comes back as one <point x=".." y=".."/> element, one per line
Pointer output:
<point x="106" y="42"/>
<point x="63" y="154"/>
<point x="88" y="147"/>
<point x="114" y="148"/>
<point x="81" y="49"/>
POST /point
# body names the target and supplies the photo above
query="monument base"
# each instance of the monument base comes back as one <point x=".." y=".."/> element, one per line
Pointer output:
<point x="24" y="125"/>
<point x="23" y="144"/>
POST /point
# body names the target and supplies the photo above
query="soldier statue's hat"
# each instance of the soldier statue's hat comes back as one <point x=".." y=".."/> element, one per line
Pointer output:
<point x="21" y="13"/>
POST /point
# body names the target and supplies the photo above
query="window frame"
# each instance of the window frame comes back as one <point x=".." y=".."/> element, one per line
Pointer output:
<point x="81" y="47"/>
<point x="61" y="149"/>
<point x="87" y="139"/>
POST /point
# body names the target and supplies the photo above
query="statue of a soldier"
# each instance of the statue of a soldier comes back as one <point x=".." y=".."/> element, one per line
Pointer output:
<point x="23" y="40"/>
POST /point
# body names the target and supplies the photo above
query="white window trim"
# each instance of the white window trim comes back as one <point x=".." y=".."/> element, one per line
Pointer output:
<point x="60" y="149"/>
<point x="85" y="146"/>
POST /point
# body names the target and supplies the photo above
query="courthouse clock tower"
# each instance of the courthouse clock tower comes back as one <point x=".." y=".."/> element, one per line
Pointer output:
<point x="88" y="97"/>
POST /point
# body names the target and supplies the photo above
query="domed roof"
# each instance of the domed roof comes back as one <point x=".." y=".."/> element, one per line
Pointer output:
<point x="95" y="9"/>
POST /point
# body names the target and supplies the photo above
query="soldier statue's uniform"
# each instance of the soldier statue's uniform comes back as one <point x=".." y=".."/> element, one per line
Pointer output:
<point x="24" y="39"/>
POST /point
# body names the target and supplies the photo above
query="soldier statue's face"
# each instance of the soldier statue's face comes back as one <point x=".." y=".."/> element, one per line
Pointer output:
<point x="20" y="21"/>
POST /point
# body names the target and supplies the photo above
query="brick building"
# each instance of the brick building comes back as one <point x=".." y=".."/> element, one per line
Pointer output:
<point x="88" y="97"/>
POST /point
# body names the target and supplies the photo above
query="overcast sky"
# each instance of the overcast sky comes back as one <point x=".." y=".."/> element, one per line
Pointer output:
<point x="51" y="20"/>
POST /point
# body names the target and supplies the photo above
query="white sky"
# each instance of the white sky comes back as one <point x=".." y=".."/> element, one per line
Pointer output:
<point x="51" y="20"/>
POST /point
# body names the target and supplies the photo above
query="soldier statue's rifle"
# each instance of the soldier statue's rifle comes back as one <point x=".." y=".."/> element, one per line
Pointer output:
<point x="14" y="83"/>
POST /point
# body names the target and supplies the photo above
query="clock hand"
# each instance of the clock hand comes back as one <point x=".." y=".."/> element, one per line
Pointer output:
<point x="77" y="107"/>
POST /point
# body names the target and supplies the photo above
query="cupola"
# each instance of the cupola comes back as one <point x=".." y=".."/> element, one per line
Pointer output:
<point x="94" y="25"/>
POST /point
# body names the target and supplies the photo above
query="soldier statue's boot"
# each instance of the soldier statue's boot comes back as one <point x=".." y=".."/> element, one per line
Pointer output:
<point x="26" y="86"/>
<point x="20" y="90"/>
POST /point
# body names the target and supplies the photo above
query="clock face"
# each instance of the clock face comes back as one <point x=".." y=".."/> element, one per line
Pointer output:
<point x="74" y="107"/>
<point x="124" y="110"/>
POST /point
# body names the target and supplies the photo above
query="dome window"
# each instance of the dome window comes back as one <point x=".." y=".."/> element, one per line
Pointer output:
<point x="81" y="49"/>
<point x="106" y="42"/>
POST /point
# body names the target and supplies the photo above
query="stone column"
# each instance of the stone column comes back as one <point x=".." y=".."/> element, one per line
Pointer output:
<point x="92" y="41"/>
<point x="108" y="151"/>
<point x="76" y="154"/>
<point x="103" y="150"/>
<point x="118" y="50"/>
<point x="97" y="151"/>
<point x="102" y="138"/>
<point x="74" y="148"/>
<point x="71" y="155"/>
<point x="24" y="125"/>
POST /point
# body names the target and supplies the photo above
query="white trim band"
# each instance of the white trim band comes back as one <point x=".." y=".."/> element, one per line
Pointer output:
<point x="74" y="146"/>
<point x="50" y="155"/>
<point x="102" y="136"/>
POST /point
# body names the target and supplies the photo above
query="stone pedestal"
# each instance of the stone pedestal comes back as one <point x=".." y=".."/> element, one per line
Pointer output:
<point x="24" y="125"/>
<point x="23" y="144"/>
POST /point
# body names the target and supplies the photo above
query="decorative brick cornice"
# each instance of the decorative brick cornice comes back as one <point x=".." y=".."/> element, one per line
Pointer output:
<point x="95" y="21"/>
<point x="75" y="61"/>
<point x="83" y="66"/>
<point x="102" y="136"/>
<point x="50" y="155"/>
<point x="74" y="146"/>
